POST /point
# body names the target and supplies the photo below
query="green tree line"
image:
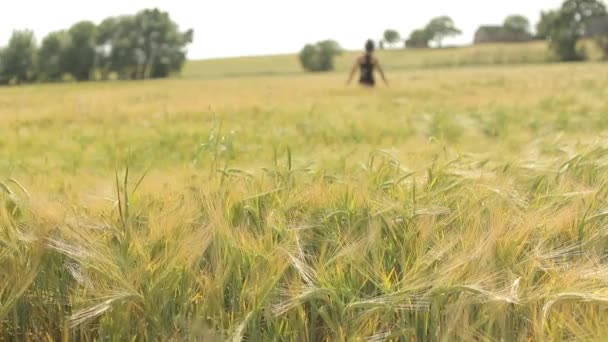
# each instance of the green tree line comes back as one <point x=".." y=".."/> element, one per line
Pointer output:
<point x="145" y="45"/>
<point x="564" y="28"/>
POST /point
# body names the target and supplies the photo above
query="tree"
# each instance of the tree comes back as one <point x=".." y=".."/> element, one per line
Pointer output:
<point x="107" y="39"/>
<point x="3" y="77"/>
<point x="18" y="58"/>
<point x="80" y="53"/>
<point x="319" y="56"/>
<point x="517" y="24"/>
<point x="161" y="46"/>
<point x="440" y="28"/>
<point x="146" y="45"/>
<point x="118" y="41"/>
<point x="328" y="49"/>
<point x="309" y="57"/>
<point x="51" y="56"/>
<point x="391" y="36"/>
<point x="419" y="39"/>
<point x="545" y="24"/>
<point x="571" y="24"/>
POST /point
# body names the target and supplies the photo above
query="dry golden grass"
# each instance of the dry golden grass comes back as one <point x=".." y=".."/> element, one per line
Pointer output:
<point x="395" y="59"/>
<point x="458" y="204"/>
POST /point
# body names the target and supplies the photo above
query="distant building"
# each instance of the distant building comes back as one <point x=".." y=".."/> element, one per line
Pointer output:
<point x="414" y="44"/>
<point x="597" y="27"/>
<point x="497" y="34"/>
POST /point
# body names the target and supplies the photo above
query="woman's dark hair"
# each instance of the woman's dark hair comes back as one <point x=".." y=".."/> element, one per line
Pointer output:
<point x="369" y="46"/>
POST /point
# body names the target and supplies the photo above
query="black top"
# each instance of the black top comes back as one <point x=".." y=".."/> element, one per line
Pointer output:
<point x="367" y="71"/>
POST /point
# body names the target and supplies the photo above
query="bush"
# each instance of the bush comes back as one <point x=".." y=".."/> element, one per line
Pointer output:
<point x="602" y="44"/>
<point x="320" y="56"/>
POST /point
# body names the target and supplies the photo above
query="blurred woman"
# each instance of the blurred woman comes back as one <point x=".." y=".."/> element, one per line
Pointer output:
<point x="367" y="64"/>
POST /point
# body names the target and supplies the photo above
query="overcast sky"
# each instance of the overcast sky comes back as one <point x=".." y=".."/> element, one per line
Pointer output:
<point x="252" y="27"/>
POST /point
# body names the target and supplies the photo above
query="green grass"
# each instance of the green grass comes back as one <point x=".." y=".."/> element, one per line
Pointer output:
<point x="460" y="204"/>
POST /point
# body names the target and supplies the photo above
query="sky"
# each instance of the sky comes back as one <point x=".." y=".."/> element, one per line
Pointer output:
<point x="225" y="28"/>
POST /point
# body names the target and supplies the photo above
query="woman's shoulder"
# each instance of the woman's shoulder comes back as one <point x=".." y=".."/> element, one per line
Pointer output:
<point x="364" y="58"/>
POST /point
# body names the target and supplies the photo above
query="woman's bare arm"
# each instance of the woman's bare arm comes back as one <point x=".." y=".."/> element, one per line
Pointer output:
<point x="381" y="72"/>
<point x="353" y="71"/>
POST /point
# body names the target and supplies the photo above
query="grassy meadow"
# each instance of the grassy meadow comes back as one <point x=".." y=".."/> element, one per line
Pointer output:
<point x="393" y="59"/>
<point x="460" y="204"/>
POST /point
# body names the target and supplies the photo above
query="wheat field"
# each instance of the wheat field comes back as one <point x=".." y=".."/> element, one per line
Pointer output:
<point x="393" y="59"/>
<point x="460" y="204"/>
